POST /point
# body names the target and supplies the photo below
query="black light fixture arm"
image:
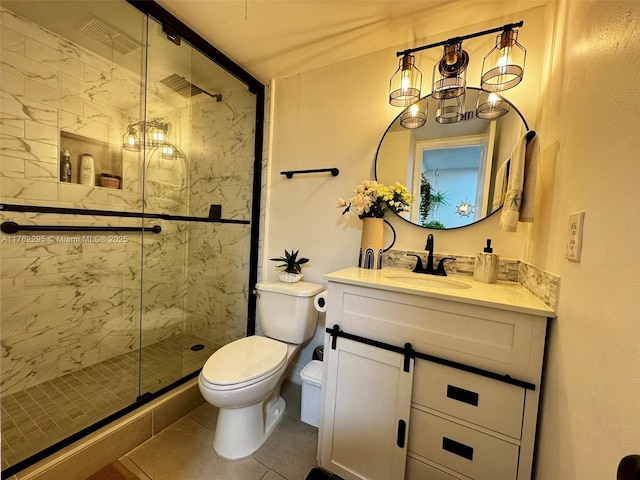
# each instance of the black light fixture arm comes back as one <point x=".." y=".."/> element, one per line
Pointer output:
<point x="454" y="40"/>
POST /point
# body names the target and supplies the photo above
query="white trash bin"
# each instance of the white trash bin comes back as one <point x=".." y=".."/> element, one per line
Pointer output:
<point x="311" y="376"/>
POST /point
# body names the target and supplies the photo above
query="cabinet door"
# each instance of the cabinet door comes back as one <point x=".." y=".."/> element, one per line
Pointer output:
<point x="367" y="401"/>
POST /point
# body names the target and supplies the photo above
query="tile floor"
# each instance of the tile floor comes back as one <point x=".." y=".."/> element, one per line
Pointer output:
<point x="184" y="450"/>
<point x="39" y="416"/>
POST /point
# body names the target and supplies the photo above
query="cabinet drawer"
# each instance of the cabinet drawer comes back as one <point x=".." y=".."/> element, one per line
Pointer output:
<point x="486" y="402"/>
<point x="417" y="470"/>
<point x="462" y="449"/>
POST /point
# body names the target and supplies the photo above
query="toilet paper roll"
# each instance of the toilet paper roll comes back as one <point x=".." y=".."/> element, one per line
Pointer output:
<point x="320" y="301"/>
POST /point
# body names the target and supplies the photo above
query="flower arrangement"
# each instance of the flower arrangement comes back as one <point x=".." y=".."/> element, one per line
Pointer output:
<point x="373" y="199"/>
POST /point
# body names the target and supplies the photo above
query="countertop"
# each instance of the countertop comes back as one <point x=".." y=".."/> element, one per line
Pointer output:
<point x="503" y="295"/>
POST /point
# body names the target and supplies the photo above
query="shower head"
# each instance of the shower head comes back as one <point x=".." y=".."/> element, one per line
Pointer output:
<point x="179" y="85"/>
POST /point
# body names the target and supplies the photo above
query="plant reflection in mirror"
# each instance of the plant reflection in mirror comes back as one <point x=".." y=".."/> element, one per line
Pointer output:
<point x="430" y="200"/>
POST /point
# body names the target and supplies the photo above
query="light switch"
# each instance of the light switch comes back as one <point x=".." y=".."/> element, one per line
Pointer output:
<point x="574" y="242"/>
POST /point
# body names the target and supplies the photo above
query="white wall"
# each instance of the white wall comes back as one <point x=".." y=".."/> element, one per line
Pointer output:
<point x="590" y="412"/>
<point x="335" y="116"/>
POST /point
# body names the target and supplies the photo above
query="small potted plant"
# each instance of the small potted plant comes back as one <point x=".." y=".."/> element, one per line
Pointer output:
<point x="293" y="271"/>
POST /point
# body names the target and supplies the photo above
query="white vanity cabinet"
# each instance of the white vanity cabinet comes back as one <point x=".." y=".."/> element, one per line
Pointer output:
<point x="477" y="373"/>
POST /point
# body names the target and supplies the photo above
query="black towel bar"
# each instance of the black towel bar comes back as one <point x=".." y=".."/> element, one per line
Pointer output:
<point x="290" y="173"/>
<point x="13" y="227"/>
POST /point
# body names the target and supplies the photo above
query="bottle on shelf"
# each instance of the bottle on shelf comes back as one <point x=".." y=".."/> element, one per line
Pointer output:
<point x="87" y="170"/>
<point x="65" y="167"/>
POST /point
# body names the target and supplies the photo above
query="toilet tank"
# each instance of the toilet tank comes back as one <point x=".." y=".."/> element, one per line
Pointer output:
<point x="286" y="311"/>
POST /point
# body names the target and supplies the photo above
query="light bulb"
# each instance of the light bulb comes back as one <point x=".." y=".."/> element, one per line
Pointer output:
<point x="405" y="80"/>
<point x="505" y="59"/>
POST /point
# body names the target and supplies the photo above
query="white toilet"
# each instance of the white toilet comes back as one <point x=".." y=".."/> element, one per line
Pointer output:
<point x="243" y="378"/>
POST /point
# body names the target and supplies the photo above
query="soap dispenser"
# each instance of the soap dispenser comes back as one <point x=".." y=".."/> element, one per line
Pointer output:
<point x="486" y="268"/>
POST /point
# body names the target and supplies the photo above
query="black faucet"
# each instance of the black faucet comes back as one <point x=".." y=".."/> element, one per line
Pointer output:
<point x="429" y="270"/>
<point x="429" y="248"/>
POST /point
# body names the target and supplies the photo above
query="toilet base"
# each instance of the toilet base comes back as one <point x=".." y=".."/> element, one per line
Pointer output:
<point x="241" y="431"/>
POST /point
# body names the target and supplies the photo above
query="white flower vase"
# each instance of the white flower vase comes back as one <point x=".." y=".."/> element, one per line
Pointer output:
<point x="290" y="277"/>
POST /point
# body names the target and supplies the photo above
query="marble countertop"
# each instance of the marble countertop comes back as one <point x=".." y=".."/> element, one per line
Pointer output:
<point x="503" y="295"/>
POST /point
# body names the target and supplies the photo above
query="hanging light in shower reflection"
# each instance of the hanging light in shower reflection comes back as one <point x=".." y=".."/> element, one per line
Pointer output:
<point x="154" y="134"/>
<point x="169" y="151"/>
<point x="130" y="140"/>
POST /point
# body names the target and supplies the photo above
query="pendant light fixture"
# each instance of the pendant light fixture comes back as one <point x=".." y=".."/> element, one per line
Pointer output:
<point x="502" y="69"/>
<point x="491" y="105"/>
<point x="405" y="83"/>
<point x="415" y="116"/>
<point x="503" y="66"/>
<point x="450" y="72"/>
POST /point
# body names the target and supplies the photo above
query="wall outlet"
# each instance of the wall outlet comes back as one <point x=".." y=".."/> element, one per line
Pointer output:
<point x="574" y="242"/>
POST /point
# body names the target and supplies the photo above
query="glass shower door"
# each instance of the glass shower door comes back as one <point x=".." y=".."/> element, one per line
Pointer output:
<point x="198" y="171"/>
<point x="70" y="303"/>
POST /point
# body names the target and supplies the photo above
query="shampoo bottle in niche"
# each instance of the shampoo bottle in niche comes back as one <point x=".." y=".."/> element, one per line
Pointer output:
<point x="65" y="167"/>
<point x="486" y="268"/>
<point x="87" y="174"/>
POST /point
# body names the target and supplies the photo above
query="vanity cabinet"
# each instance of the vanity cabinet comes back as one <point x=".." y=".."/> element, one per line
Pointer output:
<point x="368" y="395"/>
<point x="476" y="378"/>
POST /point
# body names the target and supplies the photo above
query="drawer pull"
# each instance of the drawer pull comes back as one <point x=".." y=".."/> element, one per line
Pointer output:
<point x="402" y="433"/>
<point x="457" y="448"/>
<point x="462" y="395"/>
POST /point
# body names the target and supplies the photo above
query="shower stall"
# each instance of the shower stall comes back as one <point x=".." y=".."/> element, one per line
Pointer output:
<point x="120" y="280"/>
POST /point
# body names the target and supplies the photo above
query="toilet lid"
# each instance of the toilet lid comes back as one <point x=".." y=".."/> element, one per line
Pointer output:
<point x="244" y="360"/>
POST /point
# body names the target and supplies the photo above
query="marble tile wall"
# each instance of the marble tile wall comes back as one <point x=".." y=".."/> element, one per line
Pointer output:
<point x="71" y="300"/>
<point x="68" y="300"/>
<point x="221" y="172"/>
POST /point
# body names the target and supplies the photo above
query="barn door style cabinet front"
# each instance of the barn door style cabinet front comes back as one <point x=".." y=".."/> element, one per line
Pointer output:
<point x="472" y="391"/>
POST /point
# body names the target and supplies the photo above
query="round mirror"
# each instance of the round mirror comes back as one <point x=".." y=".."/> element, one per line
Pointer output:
<point x="456" y="171"/>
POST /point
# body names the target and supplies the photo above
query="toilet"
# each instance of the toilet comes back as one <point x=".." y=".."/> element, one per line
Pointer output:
<point x="243" y="378"/>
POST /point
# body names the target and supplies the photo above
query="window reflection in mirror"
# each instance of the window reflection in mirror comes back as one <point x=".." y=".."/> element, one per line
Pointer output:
<point x="450" y="168"/>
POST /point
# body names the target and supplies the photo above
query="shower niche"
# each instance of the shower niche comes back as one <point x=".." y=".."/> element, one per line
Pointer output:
<point x="107" y="159"/>
<point x="99" y="312"/>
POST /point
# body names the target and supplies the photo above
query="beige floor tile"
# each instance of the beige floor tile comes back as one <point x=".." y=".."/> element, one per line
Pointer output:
<point x="291" y="393"/>
<point x="271" y="475"/>
<point x="290" y="450"/>
<point x="184" y="451"/>
<point x="206" y="415"/>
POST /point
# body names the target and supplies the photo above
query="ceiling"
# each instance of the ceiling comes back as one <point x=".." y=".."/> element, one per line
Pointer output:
<point x="280" y="38"/>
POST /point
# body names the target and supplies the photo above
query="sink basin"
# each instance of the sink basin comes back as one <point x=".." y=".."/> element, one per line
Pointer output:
<point x="423" y="280"/>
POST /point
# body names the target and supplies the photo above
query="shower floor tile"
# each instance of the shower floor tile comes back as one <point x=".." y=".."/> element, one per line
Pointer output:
<point x="40" y="416"/>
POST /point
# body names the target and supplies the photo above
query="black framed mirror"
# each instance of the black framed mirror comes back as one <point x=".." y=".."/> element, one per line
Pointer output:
<point x="454" y="170"/>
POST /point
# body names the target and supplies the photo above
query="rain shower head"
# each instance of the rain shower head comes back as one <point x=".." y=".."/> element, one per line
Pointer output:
<point x="179" y="85"/>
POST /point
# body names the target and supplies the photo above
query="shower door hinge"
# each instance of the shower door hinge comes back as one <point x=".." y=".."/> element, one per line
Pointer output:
<point x="172" y="33"/>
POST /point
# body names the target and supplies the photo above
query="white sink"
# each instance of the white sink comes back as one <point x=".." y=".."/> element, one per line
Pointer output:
<point x="423" y="280"/>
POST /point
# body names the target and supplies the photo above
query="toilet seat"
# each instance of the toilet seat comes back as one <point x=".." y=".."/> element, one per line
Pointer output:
<point x="243" y="362"/>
